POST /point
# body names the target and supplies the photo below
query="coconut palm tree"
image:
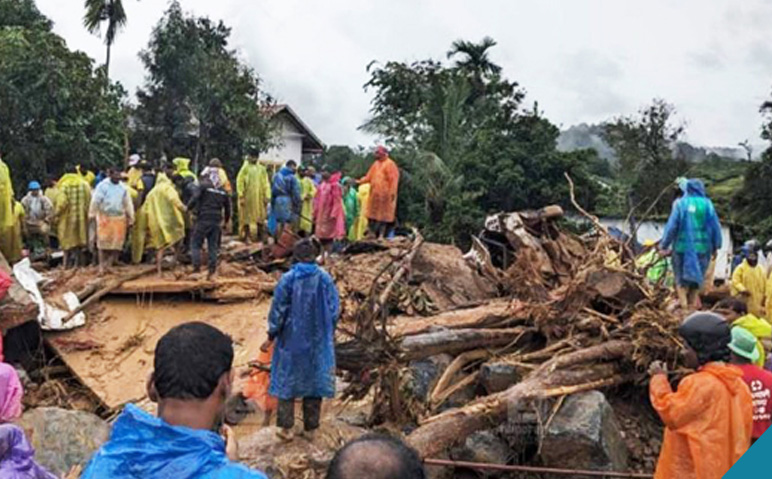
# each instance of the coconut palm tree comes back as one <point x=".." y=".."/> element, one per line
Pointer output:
<point x="110" y="11"/>
<point x="475" y="55"/>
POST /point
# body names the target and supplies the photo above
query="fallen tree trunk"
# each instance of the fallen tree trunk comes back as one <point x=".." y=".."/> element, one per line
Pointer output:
<point x="165" y="286"/>
<point x="456" y="341"/>
<point x="112" y="285"/>
<point x="440" y="432"/>
<point x="494" y="314"/>
<point x="16" y="308"/>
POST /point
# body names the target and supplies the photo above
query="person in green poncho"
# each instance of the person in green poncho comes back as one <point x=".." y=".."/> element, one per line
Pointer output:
<point x="655" y="266"/>
<point x="350" y="206"/>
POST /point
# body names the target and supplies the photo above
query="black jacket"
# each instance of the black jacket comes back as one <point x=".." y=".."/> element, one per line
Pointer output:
<point x="211" y="205"/>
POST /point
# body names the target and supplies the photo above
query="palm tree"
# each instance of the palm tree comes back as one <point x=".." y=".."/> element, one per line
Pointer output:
<point x="110" y="11"/>
<point x="475" y="58"/>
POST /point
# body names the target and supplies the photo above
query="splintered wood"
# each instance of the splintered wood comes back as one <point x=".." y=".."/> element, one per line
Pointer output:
<point x="576" y="316"/>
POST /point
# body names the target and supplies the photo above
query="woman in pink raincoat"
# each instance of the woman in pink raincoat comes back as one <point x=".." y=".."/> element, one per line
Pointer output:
<point x="329" y="216"/>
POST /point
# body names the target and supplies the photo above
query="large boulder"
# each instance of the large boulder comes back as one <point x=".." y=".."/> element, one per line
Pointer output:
<point x="62" y="438"/>
<point x="584" y="434"/>
<point x="498" y="376"/>
<point x="424" y="374"/>
<point x="485" y="447"/>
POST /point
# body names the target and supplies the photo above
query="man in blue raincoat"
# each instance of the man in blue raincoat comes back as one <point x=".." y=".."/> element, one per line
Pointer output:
<point x="285" y="197"/>
<point x="190" y="382"/>
<point x="302" y="322"/>
<point x="693" y="232"/>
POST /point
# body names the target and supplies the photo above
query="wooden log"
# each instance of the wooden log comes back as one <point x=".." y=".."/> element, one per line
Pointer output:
<point x="403" y="270"/>
<point x="456" y="341"/>
<point x="111" y="285"/>
<point x="437" y="434"/>
<point x="486" y="316"/>
<point x="213" y="288"/>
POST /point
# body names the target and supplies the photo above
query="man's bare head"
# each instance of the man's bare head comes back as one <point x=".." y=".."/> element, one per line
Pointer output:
<point x="376" y="457"/>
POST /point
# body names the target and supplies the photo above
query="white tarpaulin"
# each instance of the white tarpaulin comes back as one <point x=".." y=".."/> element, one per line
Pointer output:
<point x="50" y="317"/>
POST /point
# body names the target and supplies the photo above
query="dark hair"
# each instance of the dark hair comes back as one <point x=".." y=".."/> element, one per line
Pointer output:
<point x="404" y="461"/>
<point x="190" y="360"/>
<point x="291" y="163"/>
<point x="732" y="304"/>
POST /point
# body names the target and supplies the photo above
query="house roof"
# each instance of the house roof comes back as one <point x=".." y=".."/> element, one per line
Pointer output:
<point x="311" y="142"/>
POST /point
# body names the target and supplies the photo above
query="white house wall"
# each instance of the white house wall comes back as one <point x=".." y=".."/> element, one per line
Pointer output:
<point x="290" y="148"/>
<point x="652" y="230"/>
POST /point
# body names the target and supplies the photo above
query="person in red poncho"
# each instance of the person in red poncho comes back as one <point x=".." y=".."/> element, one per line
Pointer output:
<point x="383" y="178"/>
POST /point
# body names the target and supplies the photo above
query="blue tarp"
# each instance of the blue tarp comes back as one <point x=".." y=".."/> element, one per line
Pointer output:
<point x="303" y="317"/>
<point x="144" y="446"/>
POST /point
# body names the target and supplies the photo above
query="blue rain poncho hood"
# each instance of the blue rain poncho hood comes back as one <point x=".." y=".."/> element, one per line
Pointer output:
<point x="144" y="446"/>
<point x="303" y="317"/>
<point x="693" y="230"/>
<point x="285" y="194"/>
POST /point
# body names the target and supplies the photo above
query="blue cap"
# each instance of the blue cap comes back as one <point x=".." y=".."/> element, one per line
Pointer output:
<point x="34" y="185"/>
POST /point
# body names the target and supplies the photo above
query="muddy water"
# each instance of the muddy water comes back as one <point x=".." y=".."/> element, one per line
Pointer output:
<point x="123" y="332"/>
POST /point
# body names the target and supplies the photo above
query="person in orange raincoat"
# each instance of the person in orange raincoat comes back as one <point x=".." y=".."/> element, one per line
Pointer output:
<point x="709" y="419"/>
<point x="383" y="179"/>
<point x="256" y="387"/>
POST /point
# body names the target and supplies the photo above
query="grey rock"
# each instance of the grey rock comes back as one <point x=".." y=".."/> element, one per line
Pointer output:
<point x="496" y="377"/>
<point x="486" y="447"/>
<point x="62" y="438"/>
<point x="424" y="374"/>
<point x="585" y="435"/>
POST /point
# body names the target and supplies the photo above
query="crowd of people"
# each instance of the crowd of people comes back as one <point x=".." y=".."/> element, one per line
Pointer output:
<point x="168" y="207"/>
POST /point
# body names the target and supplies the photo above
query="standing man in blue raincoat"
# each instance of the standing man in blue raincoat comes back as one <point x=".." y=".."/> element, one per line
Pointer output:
<point x="191" y="382"/>
<point x="302" y="324"/>
<point x="693" y="235"/>
<point x="285" y="197"/>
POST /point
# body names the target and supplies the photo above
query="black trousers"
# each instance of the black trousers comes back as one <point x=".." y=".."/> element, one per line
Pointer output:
<point x="211" y="233"/>
<point x="312" y="412"/>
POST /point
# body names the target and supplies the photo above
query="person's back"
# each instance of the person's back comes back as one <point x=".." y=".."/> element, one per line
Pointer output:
<point x="190" y="382"/>
<point x="698" y="228"/>
<point x="210" y="204"/>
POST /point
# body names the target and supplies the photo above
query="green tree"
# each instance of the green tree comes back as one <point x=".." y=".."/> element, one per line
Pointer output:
<point x="199" y="100"/>
<point x="465" y="145"/>
<point x="644" y="146"/>
<point x="110" y="11"/>
<point x="54" y="108"/>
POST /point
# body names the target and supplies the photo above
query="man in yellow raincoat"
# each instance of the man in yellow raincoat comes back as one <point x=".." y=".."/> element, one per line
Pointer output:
<point x="749" y="283"/>
<point x="182" y="167"/>
<point x="360" y="227"/>
<point x="135" y="172"/>
<point x="161" y="221"/>
<point x="254" y="193"/>
<point x="307" y="194"/>
<point x="11" y="242"/>
<point x="736" y="313"/>
<point x="7" y="219"/>
<point x="71" y="212"/>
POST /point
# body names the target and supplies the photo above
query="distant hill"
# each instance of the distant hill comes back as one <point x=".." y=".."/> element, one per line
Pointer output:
<point x="583" y="136"/>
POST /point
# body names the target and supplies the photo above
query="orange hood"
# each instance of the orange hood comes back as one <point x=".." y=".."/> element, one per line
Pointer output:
<point x="727" y="374"/>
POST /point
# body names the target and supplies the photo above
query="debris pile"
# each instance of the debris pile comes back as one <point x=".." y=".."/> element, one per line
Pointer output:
<point x="575" y="317"/>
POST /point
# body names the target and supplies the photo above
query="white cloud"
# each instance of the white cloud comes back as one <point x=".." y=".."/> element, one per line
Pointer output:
<point x="582" y="60"/>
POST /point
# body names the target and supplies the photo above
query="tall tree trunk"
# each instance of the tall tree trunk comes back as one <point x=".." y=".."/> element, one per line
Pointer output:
<point x="107" y="62"/>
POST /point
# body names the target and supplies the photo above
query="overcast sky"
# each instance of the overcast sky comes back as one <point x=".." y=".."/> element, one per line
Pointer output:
<point x="582" y="60"/>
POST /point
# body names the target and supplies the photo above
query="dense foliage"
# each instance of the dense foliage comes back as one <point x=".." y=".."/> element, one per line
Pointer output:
<point x="465" y="144"/>
<point x="55" y="108"/>
<point x="647" y="163"/>
<point x="199" y="100"/>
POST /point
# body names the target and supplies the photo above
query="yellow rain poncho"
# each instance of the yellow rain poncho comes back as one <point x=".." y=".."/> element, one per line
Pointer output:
<point x="11" y="242"/>
<point x="182" y="167"/>
<point x="307" y="193"/>
<point x="750" y="281"/>
<point x="161" y="222"/>
<point x="6" y="196"/>
<point x="134" y="176"/>
<point x="254" y="192"/>
<point x="758" y="327"/>
<point x="71" y="211"/>
<point x="360" y="227"/>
